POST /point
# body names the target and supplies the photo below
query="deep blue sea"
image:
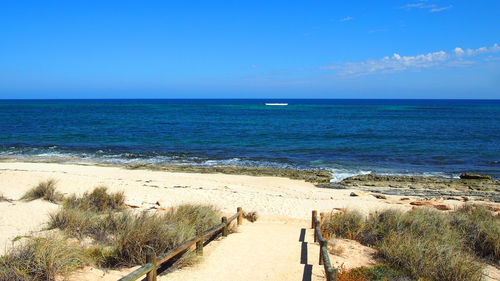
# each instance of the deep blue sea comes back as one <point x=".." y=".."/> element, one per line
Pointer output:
<point x="418" y="137"/>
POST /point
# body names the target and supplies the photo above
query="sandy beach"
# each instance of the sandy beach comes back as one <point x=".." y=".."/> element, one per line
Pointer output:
<point x="271" y="197"/>
<point x="284" y="206"/>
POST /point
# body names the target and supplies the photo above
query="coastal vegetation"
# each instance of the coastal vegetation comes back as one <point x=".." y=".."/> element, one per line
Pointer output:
<point x="45" y="190"/>
<point x="97" y="229"/>
<point x="99" y="200"/>
<point x="379" y="272"/>
<point x="122" y="237"/>
<point x="42" y="258"/>
<point x="425" y="243"/>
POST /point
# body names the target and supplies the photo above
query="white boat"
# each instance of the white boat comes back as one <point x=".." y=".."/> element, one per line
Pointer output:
<point x="279" y="104"/>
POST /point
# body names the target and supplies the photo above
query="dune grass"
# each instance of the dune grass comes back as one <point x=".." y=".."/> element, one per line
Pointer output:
<point x="346" y="224"/>
<point x="122" y="238"/>
<point x="41" y="258"/>
<point x="99" y="200"/>
<point x="379" y="272"/>
<point x="425" y="243"/>
<point x="480" y="229"/>
<point x="118" y="237"/>
<point x="134" y="234"/>
<point x="80" y="223"/>
<point x="45" y="190"/>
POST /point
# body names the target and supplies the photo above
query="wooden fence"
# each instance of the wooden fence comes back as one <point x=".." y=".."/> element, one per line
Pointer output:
<point x="324" y="259"/>
<point x="153" y="261"/>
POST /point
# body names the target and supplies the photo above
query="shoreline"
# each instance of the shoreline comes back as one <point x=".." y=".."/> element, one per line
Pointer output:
<point x="268" y="196"/>
<point x="310" y="175"/>
<point x="278" y="201"/>
<point x="319" y="176"/>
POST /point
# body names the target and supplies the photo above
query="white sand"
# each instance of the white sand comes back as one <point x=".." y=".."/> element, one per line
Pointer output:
<point x="269" y="196"/>
<point x="284" y="206"/>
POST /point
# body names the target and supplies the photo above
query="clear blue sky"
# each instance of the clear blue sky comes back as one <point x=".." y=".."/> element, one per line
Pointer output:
<point x="250" y="49"/>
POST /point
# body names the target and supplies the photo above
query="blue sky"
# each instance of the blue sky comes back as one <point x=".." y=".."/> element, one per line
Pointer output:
<point x="250" y="49"/>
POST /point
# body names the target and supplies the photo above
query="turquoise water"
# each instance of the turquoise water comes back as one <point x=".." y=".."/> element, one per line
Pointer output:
<point x="438" y="137"/>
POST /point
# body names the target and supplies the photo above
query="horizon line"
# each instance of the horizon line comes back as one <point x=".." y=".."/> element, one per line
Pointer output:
<point x="484" y="99"/>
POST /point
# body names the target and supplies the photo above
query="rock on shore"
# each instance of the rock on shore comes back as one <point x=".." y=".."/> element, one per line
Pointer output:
<point x="466" y="182"/>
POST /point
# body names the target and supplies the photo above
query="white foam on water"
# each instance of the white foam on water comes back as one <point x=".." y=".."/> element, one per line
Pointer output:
<point x="340" y="174"/>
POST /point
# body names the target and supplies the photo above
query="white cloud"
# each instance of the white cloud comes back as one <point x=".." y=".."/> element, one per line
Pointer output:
<point x="346" y="19"/>
<point x="422" y="4"/>
<point x="459" y="52"/>
<point x="398" y="63"/>
<point x="439" y="9"/>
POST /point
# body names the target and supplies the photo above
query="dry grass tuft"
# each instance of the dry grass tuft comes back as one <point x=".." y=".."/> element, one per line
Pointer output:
<point x="99" y="200"/>
<point x="251" y="216"/>
<point x="41" y="258"/>
<point x="45" y="190"/>
<point x="345" y="224"/>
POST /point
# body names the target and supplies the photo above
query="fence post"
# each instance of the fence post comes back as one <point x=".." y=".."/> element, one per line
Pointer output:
<point x="332" y="276"/>
<point x="240" y="215"/>
<point x="199" y="246"/>
<point x="321" y="243"/>
<point x="224" y="230"/>
<point x="314" y="213"/>
<point x="313" y="224"/>
<point x="151" y="258"/>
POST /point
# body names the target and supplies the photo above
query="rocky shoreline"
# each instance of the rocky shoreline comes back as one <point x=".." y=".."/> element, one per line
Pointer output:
<point x="469" y="187"/>
<point x="474" y="187"/>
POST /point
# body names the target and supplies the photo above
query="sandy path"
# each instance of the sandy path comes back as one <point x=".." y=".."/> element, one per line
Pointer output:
<point x="264" y="250"/>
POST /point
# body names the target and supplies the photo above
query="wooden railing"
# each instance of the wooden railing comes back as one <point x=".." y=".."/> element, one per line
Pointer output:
<point x="324" y="259"/>
<point x="153" y="261"/>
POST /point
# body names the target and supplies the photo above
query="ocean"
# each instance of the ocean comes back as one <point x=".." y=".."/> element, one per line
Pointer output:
<point x="346" y="137"/>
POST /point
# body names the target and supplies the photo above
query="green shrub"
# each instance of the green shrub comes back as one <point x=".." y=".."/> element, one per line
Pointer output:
<point x="434" y="259"/>
<point x="125" y="237"/>
<point x="199" y="217"/>
<point x="80" y="223"/>
<point x="45" y="190"/>
<point x="41" y="258"/>
<point x="419" y="222"/>
<point x="135" y="234"/>
<point x="98" y="201"/>
<point x="379" y="272"/>
<point x="425" y="242"/>
<point x="345" y="224"/>
<point x="480" y="229"/>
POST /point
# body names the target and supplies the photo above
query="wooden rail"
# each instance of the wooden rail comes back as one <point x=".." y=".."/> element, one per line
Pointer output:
<point x="324" y="258"/>
<point x="153" y="261"/>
